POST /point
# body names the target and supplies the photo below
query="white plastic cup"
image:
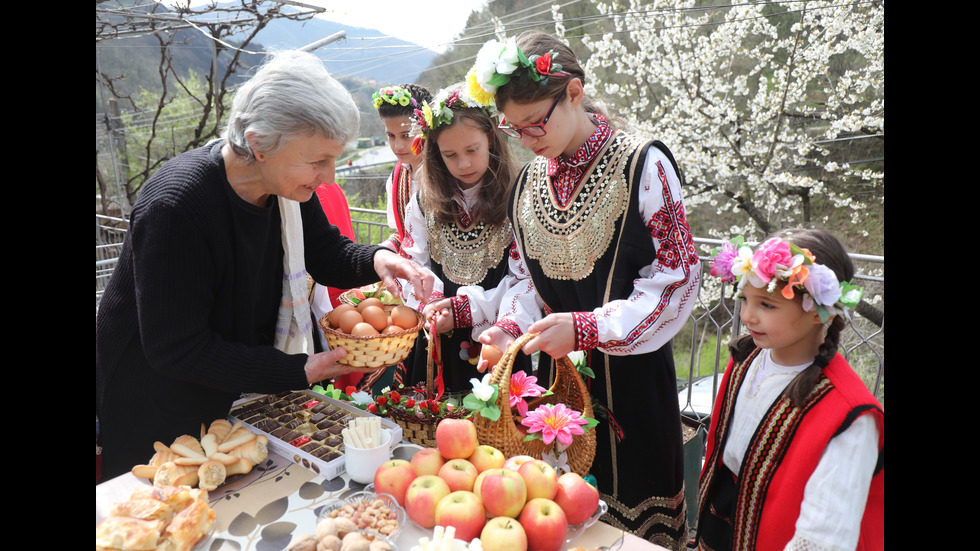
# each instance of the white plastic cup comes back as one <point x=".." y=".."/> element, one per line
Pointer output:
<point x="362" y="463"/>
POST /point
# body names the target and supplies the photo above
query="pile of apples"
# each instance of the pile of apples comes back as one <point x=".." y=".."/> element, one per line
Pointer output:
<point x="512" y="504"/>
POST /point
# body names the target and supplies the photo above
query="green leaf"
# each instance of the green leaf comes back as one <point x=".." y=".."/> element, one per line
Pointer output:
<point x="471" y="402"/>
<point x="586" y="370"/>
<point x="533" y="436"/>
<point x="499" y="79"/>
<point x="490" y="413"/>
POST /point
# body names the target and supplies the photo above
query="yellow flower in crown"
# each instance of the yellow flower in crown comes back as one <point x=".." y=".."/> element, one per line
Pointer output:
<point x="427" y="114"/>
<point x="476" y="91"/>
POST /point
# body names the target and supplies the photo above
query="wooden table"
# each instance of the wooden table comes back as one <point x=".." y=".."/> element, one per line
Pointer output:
<point x="264" y="509"/>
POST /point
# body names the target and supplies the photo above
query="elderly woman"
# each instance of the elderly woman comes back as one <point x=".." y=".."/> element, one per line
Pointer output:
<point x="199" y="307"/>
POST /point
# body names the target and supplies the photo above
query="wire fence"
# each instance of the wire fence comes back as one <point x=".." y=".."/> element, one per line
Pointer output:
<point x="700" y="348"/>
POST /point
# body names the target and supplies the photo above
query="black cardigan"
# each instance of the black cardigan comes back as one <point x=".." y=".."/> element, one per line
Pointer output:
<point x="187" y="321"/>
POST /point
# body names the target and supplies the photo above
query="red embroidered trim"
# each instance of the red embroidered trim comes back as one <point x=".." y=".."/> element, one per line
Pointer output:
<point x="462" y="317"/>
<point x="566" y="173"/>
<point x="509" y="327"/>
<point x="586" y="330"/>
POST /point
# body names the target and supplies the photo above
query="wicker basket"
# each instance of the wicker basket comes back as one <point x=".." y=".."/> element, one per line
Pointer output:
<point x="422" y="431"/>
<point x="375" y="351"/>
<point x="568" y="388"/>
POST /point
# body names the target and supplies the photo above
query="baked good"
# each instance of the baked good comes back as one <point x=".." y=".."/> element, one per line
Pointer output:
<point x="161" y="518"/>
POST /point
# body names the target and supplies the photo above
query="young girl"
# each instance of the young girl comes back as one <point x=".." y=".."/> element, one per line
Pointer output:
<point x="795" y="448"/>
<point x="457" y="226"/>
<point x="600" y="225"/>
<point x="396" y="106"/>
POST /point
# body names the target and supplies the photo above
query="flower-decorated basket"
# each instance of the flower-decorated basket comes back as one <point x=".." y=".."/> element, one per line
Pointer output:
<point x="569" y="388"/>
<point x="377" y="351"/>
<point x="419" y="423"/>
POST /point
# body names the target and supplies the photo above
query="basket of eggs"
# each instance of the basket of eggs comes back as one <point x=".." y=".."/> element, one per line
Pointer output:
<point x="375" y="333"/>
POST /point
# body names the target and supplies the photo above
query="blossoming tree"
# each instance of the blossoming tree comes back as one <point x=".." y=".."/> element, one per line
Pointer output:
<point x="756" y="99"/>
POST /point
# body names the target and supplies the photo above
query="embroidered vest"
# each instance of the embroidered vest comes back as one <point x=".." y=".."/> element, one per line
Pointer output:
<point x="780" y="457"/>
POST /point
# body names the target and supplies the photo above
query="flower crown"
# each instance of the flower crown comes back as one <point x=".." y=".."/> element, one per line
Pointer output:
<point x="777" y="260"/>
<point x="440" y="111"/>
<point x="498" y="62"/>
<point x="394" y="95"/>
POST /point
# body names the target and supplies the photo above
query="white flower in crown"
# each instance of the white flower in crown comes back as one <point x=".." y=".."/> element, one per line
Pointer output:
<point x="509" y="58"/>
<point x="742" y="265"/>
<point x="486" y="64"/>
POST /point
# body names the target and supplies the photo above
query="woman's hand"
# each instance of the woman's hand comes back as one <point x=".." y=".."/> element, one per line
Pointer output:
<point x="389" y="265"/>
<point x="326" y="365"/>
<point x="497" y="337"/>
<point x="556" y="335"/>
<point x="441" y="311"/>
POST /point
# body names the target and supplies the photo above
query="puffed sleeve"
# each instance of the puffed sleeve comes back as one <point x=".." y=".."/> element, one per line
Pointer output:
<point x="415" y="247"/>
<point x="665" y="291"/>
<point x="513" y="300"/>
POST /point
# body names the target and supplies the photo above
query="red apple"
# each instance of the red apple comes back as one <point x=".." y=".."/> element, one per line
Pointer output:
<point x="487" y="457"/>
<point x="456" y="438"/>
<point x="464" y="512"/>
<point x="545" y="524"/>
<point x="576" y="497"/>
<point x="422" y="497"/>
<point x="479" y="482"/>
<point x="427" y="461"/>
<point x="459" y="474"/>
<point x="540" y="478"/>
<point x="394" y="477"/>
<point x="515" y="462"/>
<point x="503" y="534"/>
<point x="503" y="492"/>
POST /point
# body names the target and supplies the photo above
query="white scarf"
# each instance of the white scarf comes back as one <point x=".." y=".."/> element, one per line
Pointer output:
<point x="294" y="326"/>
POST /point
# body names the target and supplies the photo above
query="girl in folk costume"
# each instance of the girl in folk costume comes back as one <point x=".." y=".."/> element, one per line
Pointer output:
<point x="600" y="225"/>
<point x="795" y="452"/>
<point x="396" y="106"/>
<point x="457" y="226"/>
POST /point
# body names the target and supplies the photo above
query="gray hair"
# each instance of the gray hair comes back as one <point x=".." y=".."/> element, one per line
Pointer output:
<point x="291" y="93"/>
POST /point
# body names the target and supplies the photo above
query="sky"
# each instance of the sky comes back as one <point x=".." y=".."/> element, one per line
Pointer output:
<point x="431" y="23"/>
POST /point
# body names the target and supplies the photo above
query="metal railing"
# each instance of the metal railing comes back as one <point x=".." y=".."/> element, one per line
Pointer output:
<point x="700" y="349"/>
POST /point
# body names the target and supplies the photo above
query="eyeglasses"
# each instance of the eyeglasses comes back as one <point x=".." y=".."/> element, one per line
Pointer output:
<point x="532" y="130"/>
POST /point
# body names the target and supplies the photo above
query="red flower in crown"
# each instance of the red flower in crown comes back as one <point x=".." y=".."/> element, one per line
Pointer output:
<point x="350" y="390"/>
<point x="543" y="64"/>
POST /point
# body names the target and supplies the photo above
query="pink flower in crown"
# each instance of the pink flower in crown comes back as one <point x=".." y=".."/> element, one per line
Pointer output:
<point x="522" y="386"/>
<point x="555" y="421"/>
<point x="771" y="259"/>
<point x="721" y="264"/>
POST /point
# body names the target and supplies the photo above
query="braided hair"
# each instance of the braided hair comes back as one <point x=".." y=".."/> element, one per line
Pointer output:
<point x="831" y="253"/>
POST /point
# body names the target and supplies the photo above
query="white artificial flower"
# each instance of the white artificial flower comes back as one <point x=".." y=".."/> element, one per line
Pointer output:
<point x="509" y="58"/>
<point x="361" y="398"/>
<point x="482" y="389"/>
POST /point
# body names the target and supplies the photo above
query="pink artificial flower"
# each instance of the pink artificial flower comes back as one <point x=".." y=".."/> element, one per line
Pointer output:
<point x="721" y="264"/>
<point x="522" y="386"/>
<point x="555" y="421"/>
<point x="774" y="255"/>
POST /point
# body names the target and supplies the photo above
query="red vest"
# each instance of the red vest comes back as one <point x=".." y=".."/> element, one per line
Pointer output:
<point x="771" y="486"/>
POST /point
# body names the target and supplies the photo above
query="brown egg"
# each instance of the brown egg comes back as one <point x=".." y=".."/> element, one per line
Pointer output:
<point x="392" y="329"/>
<point x="375" y="316"/>
<point x="348" y="320"/>
<point x="363" y="329"/>
<point x="491" y="354"/>
<point x="404" y="317"/>
<point x="369" y="302"/>
<point x="338" y="311"/>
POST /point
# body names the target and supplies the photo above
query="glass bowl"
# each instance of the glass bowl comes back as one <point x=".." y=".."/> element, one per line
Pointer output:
<point x="348" y="505"/>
